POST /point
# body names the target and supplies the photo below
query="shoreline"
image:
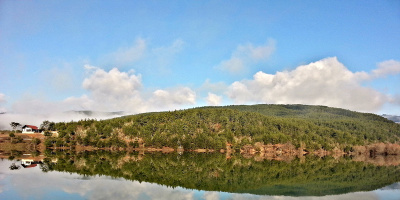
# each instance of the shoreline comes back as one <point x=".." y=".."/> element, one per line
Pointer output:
<point x="385" y="152"/>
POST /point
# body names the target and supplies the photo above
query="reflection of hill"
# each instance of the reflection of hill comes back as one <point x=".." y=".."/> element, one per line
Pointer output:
<point x="213" y="172"/>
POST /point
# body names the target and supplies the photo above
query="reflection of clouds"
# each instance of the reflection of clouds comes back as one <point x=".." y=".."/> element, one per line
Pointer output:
<point x="33" y="183"/>
<point x="211" y="195"/>
<point x="394" y="186"/>
<point x="28" y="183"/>
<point x="103" y="188"/>
<point x="2" y="177"/>
<point x="357" y="195"/>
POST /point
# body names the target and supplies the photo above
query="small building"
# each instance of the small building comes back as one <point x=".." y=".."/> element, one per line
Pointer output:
<point x="30" y="129"/>
<point x="30" y="163"/>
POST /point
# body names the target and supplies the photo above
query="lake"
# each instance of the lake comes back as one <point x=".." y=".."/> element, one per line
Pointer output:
<point x="140" y="175"/>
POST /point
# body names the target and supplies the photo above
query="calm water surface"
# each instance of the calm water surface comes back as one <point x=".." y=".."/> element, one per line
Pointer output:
<point x="32" y="183"/>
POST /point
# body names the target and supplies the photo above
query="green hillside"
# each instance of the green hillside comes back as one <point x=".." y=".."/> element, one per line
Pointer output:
<point x="308" y="112"/>
<point x="311" y="127"/>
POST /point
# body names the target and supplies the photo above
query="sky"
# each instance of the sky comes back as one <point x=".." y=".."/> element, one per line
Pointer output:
<point x="142" y="56"/>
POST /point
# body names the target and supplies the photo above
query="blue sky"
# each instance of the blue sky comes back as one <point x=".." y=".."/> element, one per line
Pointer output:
<point x="140" y="56"/>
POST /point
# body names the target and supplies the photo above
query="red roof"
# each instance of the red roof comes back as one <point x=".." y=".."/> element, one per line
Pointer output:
<point x="30" y="166"/>
<point x="32" y="127"/>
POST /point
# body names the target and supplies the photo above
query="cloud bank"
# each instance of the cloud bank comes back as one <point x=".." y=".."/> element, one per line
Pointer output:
<point x="213" y="99"/>
<point x="390" y="67"/>
<point x="107" y="91"/>
<point x="325" y="82"/>
<point x="123" y="91"/>
<point x="2" y="101"/>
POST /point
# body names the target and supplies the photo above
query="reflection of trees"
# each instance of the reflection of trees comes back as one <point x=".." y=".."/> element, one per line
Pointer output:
<point x="45" y="167"/>
<point x="14" y="167"/>
<point x="213" y="172"/>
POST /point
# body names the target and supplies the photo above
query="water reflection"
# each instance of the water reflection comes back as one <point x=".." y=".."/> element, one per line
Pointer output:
<point x="32" y="183"/>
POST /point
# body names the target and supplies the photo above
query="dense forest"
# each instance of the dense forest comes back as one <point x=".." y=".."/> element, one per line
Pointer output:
<point x="306" y="176"/>
<point x="306" y="127"/>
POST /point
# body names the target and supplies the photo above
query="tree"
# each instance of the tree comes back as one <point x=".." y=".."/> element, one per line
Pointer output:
<point x="48" y="133"/>
<point x="52" y="126"/>
<point x="14" y="125"/>
<point x="48" y="143"/>
<point x="45" y="125"/>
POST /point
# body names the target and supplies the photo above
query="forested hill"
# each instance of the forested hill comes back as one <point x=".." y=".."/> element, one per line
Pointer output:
<point x="310" y="127"/>
<point x="308" y="112"/>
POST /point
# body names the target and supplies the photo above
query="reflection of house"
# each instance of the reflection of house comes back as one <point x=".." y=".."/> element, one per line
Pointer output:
<point x="30" y="129"/>
<point x="29" y="163"/>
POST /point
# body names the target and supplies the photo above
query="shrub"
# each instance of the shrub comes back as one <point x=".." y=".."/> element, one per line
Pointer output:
<point x="36" y="141"/>
<point x="48" y="133"/>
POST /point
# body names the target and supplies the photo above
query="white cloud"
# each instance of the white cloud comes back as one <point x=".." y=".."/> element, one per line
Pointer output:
<point x="256" y="53"/>
<point x="128" y="55"/>
<point x="233" y="65"/>
<point x="89" y="67"/>
<point x="33" y="104"/>
<point x="79" y="103"/>
<point x="325" y="82"/>
<point x="110" y="91"/>
<point x="173" y="97"/>
<point x="395" y="99"/>
<point x="112" y="85"/>
<point x="123" y="91"/>
<point x="246" y="55"/>
<point x="2" y="101"/>
<point x="390" y="67"/>
<point x="213" y="99"/>
<point x="2" y="98"/>
<point x="239" y="92"/>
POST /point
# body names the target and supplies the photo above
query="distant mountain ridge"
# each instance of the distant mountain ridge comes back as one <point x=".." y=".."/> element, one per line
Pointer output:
<point x="91" y="113"/>
<point x="394" y="118"/>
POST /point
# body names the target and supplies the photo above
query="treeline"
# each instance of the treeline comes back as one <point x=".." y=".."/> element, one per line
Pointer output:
<point x="307" y="127"/>
<point x="213" y="172"/>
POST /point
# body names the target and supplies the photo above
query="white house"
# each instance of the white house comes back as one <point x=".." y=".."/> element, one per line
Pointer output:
<point x="30" y="129"/>
<point x="29" y="163"/>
